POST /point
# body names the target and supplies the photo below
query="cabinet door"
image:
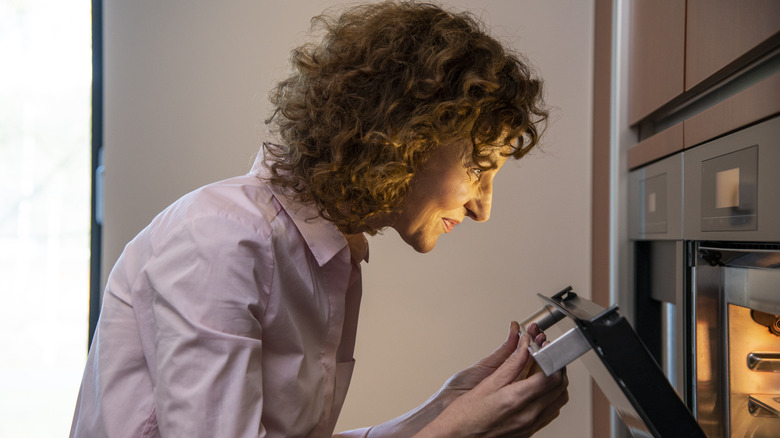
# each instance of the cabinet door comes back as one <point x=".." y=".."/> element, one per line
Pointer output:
<point x="656" y="61"/>
<point x="721" y="32"/>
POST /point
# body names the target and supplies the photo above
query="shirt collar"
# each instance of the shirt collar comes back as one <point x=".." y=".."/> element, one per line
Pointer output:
<point x="322" y="237"/>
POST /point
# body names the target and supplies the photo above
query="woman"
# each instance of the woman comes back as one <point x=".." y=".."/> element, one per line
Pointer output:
<point x="234" y="312"/>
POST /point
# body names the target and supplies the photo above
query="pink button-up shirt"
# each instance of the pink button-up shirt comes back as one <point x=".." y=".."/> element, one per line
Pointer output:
<point x="233" y="314"/>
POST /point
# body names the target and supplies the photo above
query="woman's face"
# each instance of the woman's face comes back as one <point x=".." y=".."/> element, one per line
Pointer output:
<point x="448" y="188"/>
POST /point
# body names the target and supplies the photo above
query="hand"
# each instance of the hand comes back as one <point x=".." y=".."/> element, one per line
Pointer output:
<point x="467" y="379"/>
<point x="495" y="398"/>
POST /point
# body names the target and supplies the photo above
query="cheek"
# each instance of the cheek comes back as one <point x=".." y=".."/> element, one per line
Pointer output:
<point x="436" y="201"/>
<point x="454" y="194"/>
<point x="445" y="191"/>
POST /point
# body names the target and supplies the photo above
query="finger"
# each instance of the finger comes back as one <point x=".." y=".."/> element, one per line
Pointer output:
<point x="536" y="401"/>
<point x="536" y="333"/>
<point x="513" y="366"/>
<point x="558" y="384"/>
<point x="538" y="388"/>
<point x="500" y="355"/>
<point x="533" y="329"/>
<point x="548" y="414"/>
<point x="551" y="411"/>
<point x="527" y="369"/>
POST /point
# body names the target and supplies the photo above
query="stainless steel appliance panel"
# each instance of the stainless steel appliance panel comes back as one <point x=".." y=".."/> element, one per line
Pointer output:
<point x="730" y="181"/>
<point x="655" y="200"/>
<point x="709" y="375"/>
<point x="655" y="226"/>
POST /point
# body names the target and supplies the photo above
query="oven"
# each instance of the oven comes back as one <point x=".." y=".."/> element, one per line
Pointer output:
<point x="737" y="339"/>
<point x="705" y="229"/>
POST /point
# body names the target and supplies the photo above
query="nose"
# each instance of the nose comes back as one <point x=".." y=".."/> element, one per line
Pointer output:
<point x="478" y="207"/>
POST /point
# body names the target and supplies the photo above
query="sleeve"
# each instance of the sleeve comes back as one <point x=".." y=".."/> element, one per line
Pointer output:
<point x="357" y="433"/>
<point x="210" y="282"/>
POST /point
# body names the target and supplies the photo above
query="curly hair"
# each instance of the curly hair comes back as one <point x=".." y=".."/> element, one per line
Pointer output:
<point x="388" y="82"/>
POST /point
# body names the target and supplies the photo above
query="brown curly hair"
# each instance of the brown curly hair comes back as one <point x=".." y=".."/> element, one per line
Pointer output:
<point x="364" y="108"/>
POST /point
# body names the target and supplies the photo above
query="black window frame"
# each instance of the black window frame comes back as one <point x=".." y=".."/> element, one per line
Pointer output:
<point x="96" y="228"/>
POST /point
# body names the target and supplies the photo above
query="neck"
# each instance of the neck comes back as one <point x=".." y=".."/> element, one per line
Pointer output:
<point x="358" y="246"/>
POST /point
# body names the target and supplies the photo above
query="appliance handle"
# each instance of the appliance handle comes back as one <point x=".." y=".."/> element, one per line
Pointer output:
<point x="561" y="352"/>
<point x="764" y="362"/>
<point x="762" y="405"/>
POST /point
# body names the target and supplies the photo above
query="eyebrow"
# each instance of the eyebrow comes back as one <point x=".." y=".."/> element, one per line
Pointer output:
<point x="488" y="158"/>
<point x="485" y="163"/>
<point x="492" y="166"/>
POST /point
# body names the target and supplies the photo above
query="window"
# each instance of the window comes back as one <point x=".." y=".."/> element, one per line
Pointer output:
<point x="45" y="181"/>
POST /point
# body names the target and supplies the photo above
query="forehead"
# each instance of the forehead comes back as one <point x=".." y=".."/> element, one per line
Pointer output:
<point x="496" y="151"/>
<point x="483" y="153"/>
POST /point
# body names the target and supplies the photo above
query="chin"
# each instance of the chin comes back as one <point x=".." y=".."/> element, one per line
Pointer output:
<point x="418" y="241"/>
<point x="422" y="246"/>
<point x="424" y="250"/>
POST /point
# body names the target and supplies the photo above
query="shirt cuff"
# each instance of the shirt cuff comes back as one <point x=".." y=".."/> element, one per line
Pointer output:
<point x="357" y="433"/>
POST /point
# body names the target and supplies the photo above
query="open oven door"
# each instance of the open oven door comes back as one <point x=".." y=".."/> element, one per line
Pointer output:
<point x="617" y="360"/>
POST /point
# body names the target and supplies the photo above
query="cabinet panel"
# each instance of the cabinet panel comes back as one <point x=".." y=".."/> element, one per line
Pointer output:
<point x="657" y="55"/>
<point x="664" y="143"/>
<point x="755" y="103"/>
<point x="721" y="31"/>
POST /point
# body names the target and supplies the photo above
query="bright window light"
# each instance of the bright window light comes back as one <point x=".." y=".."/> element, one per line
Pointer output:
<point x="45" y="153"/>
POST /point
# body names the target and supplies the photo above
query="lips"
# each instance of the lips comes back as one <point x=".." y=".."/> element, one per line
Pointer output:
<point x="449" y="224"/>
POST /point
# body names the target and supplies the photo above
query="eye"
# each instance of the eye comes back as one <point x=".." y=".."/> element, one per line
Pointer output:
<point x="476" y="171"/>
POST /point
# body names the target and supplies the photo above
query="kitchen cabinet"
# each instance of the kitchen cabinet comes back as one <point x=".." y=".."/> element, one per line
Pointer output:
<point x="722" y="35"/>
<point x="685" y="57"/>
<point x="663" y="144"/>
<point x="656" y="70"/>
<point x="755" y="103"/>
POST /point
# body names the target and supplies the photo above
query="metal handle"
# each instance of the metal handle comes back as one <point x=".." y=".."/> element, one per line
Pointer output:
<point x="562" y="351"/>
<point x="764" y="362"/>
<point x="545" y="318"/>
<point x="762" y="405"/>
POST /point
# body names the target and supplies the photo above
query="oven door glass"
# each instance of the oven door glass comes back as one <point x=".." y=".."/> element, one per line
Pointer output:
<point x="737" y="303"/>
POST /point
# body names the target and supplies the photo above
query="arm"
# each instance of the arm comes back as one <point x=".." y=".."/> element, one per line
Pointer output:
<point x="492" y="398"/>
<point x="207" y="303"/>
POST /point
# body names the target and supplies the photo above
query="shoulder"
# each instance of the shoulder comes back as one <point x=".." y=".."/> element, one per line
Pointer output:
<point x="235" y="209"/>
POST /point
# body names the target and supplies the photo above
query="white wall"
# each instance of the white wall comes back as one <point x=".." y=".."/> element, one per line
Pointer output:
<point x="186" y="85"/>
